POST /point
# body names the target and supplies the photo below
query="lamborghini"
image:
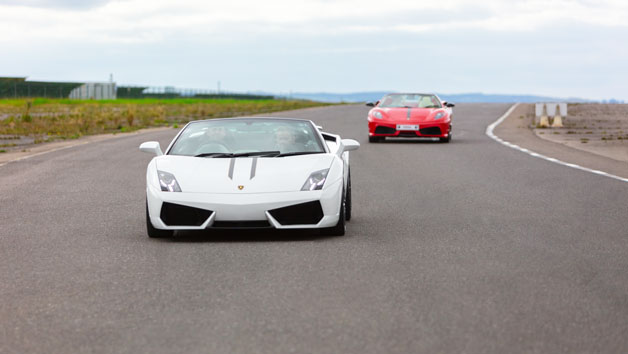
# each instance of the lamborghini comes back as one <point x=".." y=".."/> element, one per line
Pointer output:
<point x="241" y="173"/>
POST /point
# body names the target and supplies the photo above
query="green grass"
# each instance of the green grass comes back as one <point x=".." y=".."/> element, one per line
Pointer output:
<point x="70" y="119"/>
<point x="135" y="101"/>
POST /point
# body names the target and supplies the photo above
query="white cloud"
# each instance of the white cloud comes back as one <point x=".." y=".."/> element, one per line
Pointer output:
<point x="559" y="47"/>
<point x="63" y="4"/>
<point x="154" y="20"/>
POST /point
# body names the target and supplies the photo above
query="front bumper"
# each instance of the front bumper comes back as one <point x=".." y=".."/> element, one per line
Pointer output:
<point x="428" y="130"/>
<point x="245" y="209"/>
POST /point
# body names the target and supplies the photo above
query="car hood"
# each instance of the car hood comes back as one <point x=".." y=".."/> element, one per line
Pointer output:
<point x="253" y="174"/>
<point x="414" y="115"/>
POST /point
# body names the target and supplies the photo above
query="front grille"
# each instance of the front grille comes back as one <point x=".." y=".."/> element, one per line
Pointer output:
<point x="384" y="130"/>
<point x="241" y="224"/>
<point x="430" y="131"/>
<point x="181" y="215"/>
<point x="407" y="134"/>
<point x="299" y="214"/>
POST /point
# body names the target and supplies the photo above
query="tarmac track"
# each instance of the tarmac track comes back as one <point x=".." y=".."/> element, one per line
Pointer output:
<point x="461" y="247"/>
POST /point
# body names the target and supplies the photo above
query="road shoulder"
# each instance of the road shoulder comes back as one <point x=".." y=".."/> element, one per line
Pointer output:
<point x="38" y="149"/>
<point x="515" y="130"/>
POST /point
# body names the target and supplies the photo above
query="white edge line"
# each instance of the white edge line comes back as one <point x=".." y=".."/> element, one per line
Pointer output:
<point x="489" y="132"/>
<point x="77" y="144"/>
<point x="44" y="152"/>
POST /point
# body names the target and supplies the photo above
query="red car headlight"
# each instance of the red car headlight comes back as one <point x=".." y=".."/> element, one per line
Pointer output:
<point x="377" y="114"/>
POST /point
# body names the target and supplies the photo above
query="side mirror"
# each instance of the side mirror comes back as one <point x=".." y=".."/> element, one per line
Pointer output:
<point x="450" y="105"/>
<point x="370" y="104"/>
<point x="349" y="145"/>
<point x="319" y="127"/>
<point x="151" y="147"/>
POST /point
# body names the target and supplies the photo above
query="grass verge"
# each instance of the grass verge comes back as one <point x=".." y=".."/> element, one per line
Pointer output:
<point x="50" y="119"/>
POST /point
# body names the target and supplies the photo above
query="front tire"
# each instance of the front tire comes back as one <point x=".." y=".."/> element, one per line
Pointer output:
<point x="348" y="198"/>
<point x="448" y="138"/>
<point x="339" y="229"/>
<point x="375" y="139"/>
<point x="152" y="231"/>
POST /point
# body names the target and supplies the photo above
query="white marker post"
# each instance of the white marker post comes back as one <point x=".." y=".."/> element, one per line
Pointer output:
<point x="538" y="112"/>
<point x="563" y="109"/>
<point x="544" y="121"/>
<point x="552" y="110"/>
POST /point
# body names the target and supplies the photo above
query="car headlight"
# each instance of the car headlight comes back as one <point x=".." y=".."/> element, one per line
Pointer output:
<point x="377" y="114"/>
<point x="167" y="182"/>
<point x="439" y="115"/>
<point x="316" y="181"/>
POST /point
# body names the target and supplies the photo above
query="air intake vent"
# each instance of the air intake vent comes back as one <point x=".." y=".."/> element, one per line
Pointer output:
<point x="407" y="135"/>
<point x="241" y="224"/>
<point x="430" y="131"/>
<point x="181" y="215"/>
<point x="384" y="130"/>
<point x="299" y="214"/>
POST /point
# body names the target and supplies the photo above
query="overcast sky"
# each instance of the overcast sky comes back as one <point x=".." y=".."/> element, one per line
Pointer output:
<point x="564" y="48"/>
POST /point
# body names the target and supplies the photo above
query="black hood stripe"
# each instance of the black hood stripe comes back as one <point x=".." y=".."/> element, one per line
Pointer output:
<point x="231" y="167"/>
<point x="253" y="167"/>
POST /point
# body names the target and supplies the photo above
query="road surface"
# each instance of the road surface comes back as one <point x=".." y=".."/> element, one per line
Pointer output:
<point x="461" y="247"/>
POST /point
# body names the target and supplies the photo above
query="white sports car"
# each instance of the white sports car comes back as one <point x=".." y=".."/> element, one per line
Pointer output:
<point x="249" y="173"/>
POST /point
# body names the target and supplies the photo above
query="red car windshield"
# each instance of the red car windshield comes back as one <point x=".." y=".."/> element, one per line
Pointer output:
<point x="410" y="101"/>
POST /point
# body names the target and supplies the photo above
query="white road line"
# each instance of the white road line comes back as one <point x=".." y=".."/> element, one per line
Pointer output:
<point x="44" y="152"/>
<point x="489" y="132"/>
<point x="88" y="140"/>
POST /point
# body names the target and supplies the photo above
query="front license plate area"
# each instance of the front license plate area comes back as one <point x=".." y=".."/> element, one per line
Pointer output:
<point x="407" y="127"/>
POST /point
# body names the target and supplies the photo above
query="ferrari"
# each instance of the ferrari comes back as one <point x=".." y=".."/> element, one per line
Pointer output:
<point x="241" y="173"/>
<point x="410" y="115"/>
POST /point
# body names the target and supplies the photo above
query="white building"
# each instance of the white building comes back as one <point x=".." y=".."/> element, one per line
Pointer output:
<point x="95" y="91"/>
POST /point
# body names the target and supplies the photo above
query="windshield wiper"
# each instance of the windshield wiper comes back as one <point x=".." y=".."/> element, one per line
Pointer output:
<point x="240" y="154"/>
<point x="257" y="153"/>
<point x="214" y="154"/>
<point x="299" y="153"/>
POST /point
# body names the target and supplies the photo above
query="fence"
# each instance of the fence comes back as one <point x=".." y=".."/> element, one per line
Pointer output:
<point x="174" y="92"/>
<point x="18" y="88"/>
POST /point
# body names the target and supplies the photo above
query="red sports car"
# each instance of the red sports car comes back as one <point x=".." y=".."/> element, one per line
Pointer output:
<point x="410" y="115"/>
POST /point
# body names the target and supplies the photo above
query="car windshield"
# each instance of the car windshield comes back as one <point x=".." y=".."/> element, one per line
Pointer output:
<point x="247" y="137"/>
<point x="409" y="101"/>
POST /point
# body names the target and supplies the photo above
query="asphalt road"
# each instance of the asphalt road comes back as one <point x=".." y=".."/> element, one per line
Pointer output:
<point x="461" y="247"/>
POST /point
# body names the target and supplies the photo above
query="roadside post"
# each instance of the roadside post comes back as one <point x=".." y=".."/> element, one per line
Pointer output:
<point x="553" y="112"/>
<point x="558" y="121"/>
<point x="540" y="112"/>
